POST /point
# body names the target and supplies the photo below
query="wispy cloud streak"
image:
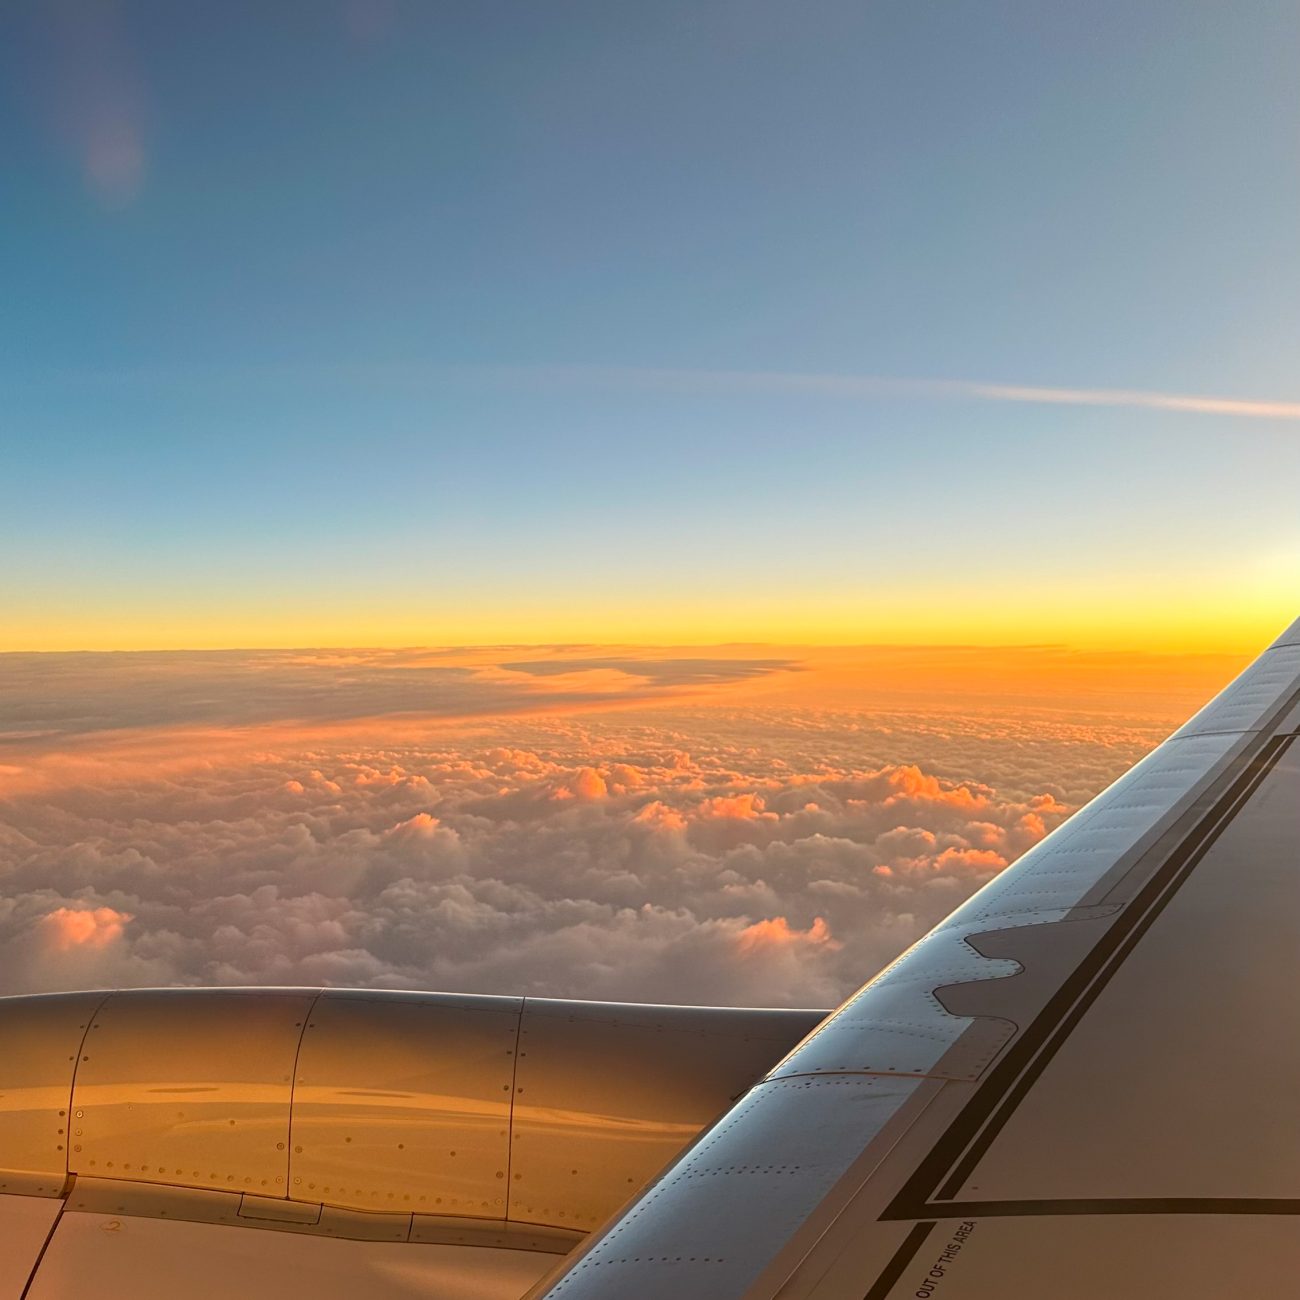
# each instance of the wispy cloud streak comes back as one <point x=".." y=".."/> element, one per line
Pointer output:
<point x="1197" y="405"/>
<point x="420" y="377"/>
<point x="869" y="388"/>
<point x="874" y="387"/>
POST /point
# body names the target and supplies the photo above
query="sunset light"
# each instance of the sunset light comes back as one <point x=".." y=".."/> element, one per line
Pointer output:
<point x="649" y="651"/>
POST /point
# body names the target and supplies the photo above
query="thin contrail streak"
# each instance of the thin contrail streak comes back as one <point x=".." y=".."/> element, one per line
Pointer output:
<point x="874" y="387"/>
<point x="735" y="382"/>
<point x="1197" y="404"/>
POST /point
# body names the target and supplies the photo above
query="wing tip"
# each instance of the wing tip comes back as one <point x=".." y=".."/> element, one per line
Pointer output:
<point x="1290" y="637"/>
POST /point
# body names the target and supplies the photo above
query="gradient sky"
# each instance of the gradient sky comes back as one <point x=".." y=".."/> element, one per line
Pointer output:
<point x="383" y="323"/>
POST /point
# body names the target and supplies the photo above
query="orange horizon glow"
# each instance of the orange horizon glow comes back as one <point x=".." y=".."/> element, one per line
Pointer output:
<point x="1021" y="681"/>
<point x="1237" y="607"/>
<point x="1195" y="627"/>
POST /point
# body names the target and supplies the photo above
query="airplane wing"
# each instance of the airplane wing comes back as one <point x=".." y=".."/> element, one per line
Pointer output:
<point x="1080" y="1084"/>
<point x="1084" y="1083"/>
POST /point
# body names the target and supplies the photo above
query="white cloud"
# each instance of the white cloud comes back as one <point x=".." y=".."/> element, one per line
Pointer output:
<point x="781" y="861"/>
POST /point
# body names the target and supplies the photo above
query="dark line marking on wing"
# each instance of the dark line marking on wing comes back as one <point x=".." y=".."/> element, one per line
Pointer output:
<point x="293" y="1094"/>
<point x="45" y="1245"/>
<point x="514" y="1087"/>
<point x="1131" y="1205"/>
<point x="903" y="1256"/>
<point x="1115" y="947"/>
<point x="973" y="1130"/>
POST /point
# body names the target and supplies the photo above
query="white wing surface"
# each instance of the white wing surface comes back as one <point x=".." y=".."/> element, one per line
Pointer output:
<point x="1084" y="1083"/>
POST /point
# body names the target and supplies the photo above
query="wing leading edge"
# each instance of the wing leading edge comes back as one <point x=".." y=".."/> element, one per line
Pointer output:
<point x="1081" y="1083"/>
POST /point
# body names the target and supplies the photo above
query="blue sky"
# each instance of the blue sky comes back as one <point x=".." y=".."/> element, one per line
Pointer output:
<point x="370" y="322"/>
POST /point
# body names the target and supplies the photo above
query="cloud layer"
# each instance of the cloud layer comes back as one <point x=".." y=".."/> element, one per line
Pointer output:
<point x="59" y="696"/>
<point x="732" y="853"/>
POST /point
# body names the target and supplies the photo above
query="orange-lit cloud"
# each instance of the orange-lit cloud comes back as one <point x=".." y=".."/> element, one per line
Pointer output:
<point x="964" y="859"/>
<point x="67" y="928"/>
<point x="660" y="816"/>
<point x="421" y="824"/>
<point x="586" y="783"/>
<point x="777" y="932"/>
<point x="738" y="807"/>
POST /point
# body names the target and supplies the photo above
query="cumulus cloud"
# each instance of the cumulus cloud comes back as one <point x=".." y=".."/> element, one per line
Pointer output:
<point x="49" y="945"/>
<point x="709" y="851"/>
<point x="66" y="928"/>
<point x="777" y="933"/>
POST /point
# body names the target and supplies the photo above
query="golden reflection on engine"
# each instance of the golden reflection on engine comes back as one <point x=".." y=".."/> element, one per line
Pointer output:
<point x="387" y="1115"/>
